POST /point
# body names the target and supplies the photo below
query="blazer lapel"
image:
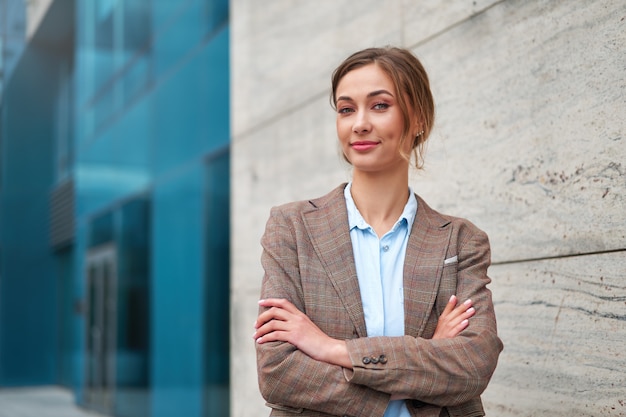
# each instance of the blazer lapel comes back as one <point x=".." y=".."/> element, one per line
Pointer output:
<point x="327" y="226"/>
<point x="423" y="266"/>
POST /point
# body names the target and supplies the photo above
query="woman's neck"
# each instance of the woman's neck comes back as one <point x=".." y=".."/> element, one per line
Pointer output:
<point x="380" y="199"/>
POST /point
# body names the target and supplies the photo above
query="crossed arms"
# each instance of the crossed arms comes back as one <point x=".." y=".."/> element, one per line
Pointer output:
<point x="309" y="356"/>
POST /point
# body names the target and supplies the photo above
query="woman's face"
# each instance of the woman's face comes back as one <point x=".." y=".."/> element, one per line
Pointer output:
<point x="370" y="121"/>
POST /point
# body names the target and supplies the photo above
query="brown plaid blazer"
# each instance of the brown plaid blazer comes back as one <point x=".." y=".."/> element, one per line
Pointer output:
<point x="308" y="259"/>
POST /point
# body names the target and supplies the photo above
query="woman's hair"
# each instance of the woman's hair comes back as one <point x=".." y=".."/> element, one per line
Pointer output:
<point x="412" y="87"/>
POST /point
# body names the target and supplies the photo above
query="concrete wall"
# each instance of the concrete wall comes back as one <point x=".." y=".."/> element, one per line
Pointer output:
<point x="529" y="144"/>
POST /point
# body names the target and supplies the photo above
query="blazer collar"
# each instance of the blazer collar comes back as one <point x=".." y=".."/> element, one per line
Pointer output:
<point x="423" y="266"/>
<point x="327" y="225"/>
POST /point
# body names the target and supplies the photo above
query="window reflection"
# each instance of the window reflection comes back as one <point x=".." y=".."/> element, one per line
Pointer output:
<point x="117" y="55"/>
<point x="114" y="142"/>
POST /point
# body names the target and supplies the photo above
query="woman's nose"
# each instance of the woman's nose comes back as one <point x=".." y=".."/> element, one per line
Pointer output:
<point x="361" y="123"/>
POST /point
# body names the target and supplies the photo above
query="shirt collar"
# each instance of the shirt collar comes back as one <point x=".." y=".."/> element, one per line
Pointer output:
<point x="355" y="219"/>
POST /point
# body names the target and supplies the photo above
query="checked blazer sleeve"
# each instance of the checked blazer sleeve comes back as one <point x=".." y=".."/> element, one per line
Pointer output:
<point x="289" y="380"/>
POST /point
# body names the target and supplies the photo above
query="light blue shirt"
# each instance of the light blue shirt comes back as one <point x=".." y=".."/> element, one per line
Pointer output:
<point x="379" y="268"/>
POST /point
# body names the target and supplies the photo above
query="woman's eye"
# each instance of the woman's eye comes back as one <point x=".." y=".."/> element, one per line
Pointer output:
<point x="381" y="106"/>
<point x="344" y="110"/>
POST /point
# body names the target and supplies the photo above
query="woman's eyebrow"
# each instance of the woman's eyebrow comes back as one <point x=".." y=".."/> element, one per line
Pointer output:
<point x="369" y="95"/>
<point x="344" y="98"/>
<point x="379" y="92"/>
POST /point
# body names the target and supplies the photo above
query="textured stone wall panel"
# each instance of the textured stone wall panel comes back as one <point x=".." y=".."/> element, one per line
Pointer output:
<point x="530" y="138"/>
<point x="563" y="324"/>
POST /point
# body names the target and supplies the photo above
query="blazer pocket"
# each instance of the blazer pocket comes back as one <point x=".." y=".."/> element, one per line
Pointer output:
<point x="452" y="260"/>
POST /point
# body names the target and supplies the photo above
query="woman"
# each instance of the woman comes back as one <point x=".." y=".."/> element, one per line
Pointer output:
<point x="359" y="313"/>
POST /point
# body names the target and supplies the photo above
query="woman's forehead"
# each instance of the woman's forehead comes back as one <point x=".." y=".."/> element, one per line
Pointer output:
<point x="366" y="78"/>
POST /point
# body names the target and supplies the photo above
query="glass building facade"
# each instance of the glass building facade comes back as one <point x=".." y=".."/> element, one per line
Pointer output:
<point x="114" y="207"/>
<point x="12" y="36"/>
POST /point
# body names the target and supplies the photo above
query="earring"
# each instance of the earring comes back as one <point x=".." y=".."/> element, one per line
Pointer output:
<point x="419" y="134"/>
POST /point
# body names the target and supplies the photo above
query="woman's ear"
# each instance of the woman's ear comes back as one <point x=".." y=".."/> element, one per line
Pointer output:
<point x="418" y="130"/>
<point x="418" y="127"/>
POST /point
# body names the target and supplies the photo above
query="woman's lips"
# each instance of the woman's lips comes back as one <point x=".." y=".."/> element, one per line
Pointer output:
<point x="363" y="145"/>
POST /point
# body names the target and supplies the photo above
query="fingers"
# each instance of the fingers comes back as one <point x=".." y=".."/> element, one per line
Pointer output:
<point x="462" y="313"/>
<point x="280" y="303"/>
<point x="454" y="318"/>
<point x="272" y="337"/>
<point x="450" y="306"/>
<point x="462" y="325"/>
<point x="452" y="311"/>
<point x="277" y="309"/>
<point x="271" y="315"/>
<point x="469" y="312"/>
<point x="271" y="331"/>
<point x="466" y="309"/>
<point x="273" y="324"/>
<point x="466" y="305"/>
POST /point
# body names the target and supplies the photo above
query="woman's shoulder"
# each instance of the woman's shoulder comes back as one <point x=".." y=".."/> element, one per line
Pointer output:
<point x="300" y="206"/>
<point x="442" y="220"/>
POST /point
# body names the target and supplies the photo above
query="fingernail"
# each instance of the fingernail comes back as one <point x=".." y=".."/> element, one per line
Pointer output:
<point x="468" y="302"/>
<point x="451" y="298"/>
<point x="471" y="310"/>
<point x="260" y="301"/>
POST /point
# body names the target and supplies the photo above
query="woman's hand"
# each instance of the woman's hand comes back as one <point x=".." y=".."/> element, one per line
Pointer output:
<point x="454" y="319"/>
<point x="283" y="322"/>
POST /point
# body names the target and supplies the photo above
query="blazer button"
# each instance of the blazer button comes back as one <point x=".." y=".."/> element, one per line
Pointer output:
<point x="374" y="360"/>
<point x="366" y="360"/>
<point x="382" y="359"/>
